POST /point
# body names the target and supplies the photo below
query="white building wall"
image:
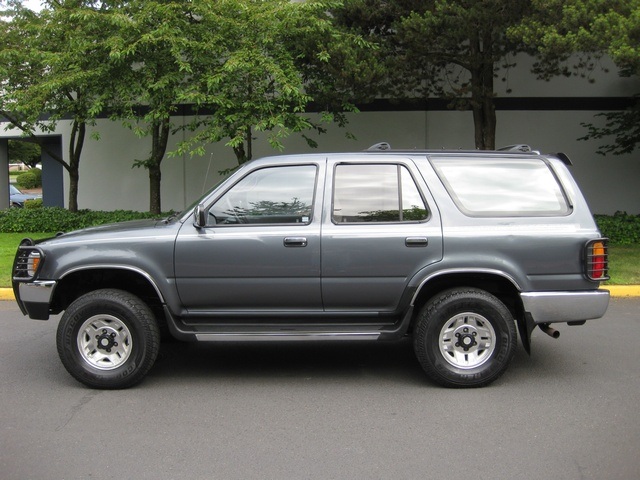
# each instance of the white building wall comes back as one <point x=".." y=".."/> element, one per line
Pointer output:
<point x="107" y="181"/>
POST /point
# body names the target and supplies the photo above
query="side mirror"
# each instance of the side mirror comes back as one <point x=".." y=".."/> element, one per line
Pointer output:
<point x="200" y="216"/>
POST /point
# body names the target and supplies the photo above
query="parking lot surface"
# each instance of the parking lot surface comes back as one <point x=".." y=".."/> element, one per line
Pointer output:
<point x="325" y="411"/>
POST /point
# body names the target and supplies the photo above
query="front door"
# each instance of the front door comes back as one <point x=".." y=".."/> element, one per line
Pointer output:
<point x="260" y="250"/>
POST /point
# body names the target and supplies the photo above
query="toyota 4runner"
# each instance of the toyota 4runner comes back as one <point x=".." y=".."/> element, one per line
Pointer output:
<point x="456" y="249"/>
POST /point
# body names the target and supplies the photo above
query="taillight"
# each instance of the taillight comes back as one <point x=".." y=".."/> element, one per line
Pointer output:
<point x="597" y="260"/>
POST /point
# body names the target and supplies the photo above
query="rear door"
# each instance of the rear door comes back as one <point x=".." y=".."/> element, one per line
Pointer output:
<point x="380" y="227"/>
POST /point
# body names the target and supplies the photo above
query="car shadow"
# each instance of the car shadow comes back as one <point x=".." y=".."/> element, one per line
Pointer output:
<point x="393" y="361"/>
<point x="383" y="362"/>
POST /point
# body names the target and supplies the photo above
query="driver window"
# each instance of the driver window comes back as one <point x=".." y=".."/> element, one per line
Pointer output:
<point x="276" y="195"/>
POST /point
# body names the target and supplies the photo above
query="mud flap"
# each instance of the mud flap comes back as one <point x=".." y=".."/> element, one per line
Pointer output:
<point x="525" y="327"/>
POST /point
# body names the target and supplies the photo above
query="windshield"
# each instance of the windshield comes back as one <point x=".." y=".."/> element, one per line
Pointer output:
<point x="187" y="211"/>
<point x="13" y="190"/>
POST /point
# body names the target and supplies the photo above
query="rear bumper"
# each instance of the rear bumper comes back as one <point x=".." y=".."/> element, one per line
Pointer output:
<point x="556" y="307"/>
<point x="34" y="298"/>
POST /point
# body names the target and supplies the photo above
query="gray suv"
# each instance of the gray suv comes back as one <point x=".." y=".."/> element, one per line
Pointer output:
<point x="455" y="249"/>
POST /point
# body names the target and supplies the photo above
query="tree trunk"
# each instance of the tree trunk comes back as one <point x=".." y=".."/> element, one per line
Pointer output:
<point x="484" y="120"/>
<point x="244" y="155"/>
<point x="76" y="143"/>
<point x="155" y="181"/>
<point x="482" y="94"/>
<point x="159" y="139"/>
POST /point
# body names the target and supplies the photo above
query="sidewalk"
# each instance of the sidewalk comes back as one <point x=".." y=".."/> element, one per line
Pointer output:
<point x="617" y="291"/>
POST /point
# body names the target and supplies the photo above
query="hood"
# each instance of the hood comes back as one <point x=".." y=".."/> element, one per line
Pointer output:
<point x="113" y="231"/>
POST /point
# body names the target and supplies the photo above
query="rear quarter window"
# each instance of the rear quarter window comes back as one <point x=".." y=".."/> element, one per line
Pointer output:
<point x="490" y="187"/>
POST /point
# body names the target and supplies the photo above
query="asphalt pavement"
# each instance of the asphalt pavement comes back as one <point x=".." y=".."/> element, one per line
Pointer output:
<point x="325" y="411"/>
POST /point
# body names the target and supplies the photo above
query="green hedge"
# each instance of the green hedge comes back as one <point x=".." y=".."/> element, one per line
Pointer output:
<point x="30" y="179"/>
<point x="55" y="219"/>
<point x="620" y="228"/>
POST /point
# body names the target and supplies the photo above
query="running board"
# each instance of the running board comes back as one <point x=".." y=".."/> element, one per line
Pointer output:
<point x="286" y="336"/>
<point x="287" y="332"/>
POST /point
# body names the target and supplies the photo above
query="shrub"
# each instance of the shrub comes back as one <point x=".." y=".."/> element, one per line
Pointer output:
<point x="33" y="203"/>
<point x="620" y="228"/>
<point x="56" y="219"/>
<point x="30" y="179"/>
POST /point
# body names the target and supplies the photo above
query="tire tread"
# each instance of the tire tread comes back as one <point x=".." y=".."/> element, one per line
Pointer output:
<point x="432" y="309"/>
<point x="113" y="298"/>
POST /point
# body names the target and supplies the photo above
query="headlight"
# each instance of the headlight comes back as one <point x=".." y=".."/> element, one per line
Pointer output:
<point x="27" y="262"/>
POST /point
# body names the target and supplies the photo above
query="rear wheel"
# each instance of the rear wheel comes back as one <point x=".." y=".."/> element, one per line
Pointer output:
<point x="465" y="337"/>
<point x="108" y="339"/>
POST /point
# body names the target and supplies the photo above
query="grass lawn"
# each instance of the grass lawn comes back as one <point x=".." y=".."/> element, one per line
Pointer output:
<point x="624" y="264"/>
<point x="624" y="260"/>
<point x="8" y="246"/>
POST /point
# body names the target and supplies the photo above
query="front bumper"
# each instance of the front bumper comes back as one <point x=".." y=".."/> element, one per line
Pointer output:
<point x="556" y="307"/>
<point x="34" y="298"/>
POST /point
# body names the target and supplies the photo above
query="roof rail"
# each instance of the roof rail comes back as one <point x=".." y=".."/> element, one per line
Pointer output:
<point x="379" y="147"/>
<point x="521" y="147"/>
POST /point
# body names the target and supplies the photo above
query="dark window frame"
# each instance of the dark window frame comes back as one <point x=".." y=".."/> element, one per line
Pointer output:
<point x="400" y="168"/>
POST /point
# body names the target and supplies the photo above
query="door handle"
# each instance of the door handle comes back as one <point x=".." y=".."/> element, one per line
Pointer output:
<point x="416" y="241"/>
<point x="295" y="242"/>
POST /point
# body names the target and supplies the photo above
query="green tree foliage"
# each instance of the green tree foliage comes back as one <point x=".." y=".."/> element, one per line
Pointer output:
<point x="256" y="65"/>
<point x="55" y="62"/>
<point x="149" y="56"/>
<point x="245" y="65"/>
<point x="24" y="152"/>
<point x="449" y="48"/>
<point x="571" y="35"/>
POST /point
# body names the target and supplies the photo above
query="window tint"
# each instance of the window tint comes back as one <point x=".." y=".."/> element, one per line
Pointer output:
<point x="502" y="187"/>
<point x="376" y="193"/>
<point x="271" y="195"/>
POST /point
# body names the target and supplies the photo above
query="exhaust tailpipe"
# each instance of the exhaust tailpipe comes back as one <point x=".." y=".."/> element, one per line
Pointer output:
<point x="552" y="332"/>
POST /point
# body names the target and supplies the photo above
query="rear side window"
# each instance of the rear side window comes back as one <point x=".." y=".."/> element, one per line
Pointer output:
<point x="502" y="187"/>
<point x="376" y="193"/>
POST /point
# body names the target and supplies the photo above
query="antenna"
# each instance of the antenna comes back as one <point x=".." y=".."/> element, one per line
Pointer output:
<point x="204" y="184"/>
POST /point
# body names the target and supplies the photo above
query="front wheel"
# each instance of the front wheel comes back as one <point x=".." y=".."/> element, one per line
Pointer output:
<point x="108" y="339"/>
<point x="465" y="337"/>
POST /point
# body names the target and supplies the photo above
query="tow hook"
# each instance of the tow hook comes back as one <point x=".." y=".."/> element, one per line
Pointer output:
<point x="552" y="332"/>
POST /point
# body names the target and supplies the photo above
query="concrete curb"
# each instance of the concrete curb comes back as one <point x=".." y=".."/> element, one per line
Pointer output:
<point x="623" y="290"/>
<point x="617" y="291"/>
<point x="6" y="294"/>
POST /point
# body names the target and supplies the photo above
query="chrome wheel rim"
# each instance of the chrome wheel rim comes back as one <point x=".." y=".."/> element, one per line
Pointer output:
<point x="467" y="340"/>
<point x="104" y="342"/>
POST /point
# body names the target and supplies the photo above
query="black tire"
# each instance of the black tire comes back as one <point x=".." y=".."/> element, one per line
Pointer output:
<point x="108" y="339"/>
<point x="464" y="337"/>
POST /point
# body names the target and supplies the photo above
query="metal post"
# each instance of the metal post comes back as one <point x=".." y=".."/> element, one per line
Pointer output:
<point x="4" y="173"/>
<point x="52" y="174"/>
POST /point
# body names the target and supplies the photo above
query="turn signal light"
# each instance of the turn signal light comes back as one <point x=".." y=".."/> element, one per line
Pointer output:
<point x="33" y="261"/>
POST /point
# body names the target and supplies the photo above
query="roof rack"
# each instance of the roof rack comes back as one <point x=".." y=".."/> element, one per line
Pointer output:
<point x="520" y="147"/>
<point x="379" y="147"/>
